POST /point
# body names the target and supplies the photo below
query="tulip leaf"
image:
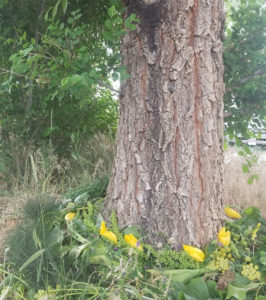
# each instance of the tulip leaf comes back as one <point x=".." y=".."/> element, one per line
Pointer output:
<point x="31" y="259"/>
<point x="179" y="275"/>
<point x="76" y="251"/>
<point x="100" y="260"/>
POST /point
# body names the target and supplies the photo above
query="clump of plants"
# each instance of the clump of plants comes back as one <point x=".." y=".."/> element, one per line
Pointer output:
<point x="71" y="252"/>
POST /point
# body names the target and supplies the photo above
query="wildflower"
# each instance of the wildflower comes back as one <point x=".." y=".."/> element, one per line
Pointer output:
<point x="224" y="237"/>
<point x="107" y="234"/>
<point x="251" y="272"/>
<point x="133" y="241"/>
<point x="247" y="259"/>
<point x="254" y="233"/>
<point x="69" y="216"/>
<point x="232" y="213"/>
<point x="195" y="253"/>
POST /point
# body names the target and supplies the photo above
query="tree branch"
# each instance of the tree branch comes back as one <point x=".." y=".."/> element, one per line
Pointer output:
<point x="103" y="84"/>
<point x="259" y="72"/>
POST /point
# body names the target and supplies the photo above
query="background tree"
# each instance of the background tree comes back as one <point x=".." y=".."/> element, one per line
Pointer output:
<point x="167" y="174"/>
<point x="55" y="66"/>
<point x="244" y="59"/>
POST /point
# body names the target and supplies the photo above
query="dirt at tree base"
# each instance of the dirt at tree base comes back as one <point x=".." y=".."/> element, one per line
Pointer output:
<point x="10" y="217"/>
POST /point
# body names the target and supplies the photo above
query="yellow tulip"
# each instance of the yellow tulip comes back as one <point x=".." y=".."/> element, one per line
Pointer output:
<point x="254" y="233"/>
<point x="108" y="234"/>
<point x="133" y="241"/>
<point x="224" y="237"/>
<point x="232" y="213"/>
<point x="103" y="228"/>
<point x="69" y="216"/>
<point x="195" y="253"/>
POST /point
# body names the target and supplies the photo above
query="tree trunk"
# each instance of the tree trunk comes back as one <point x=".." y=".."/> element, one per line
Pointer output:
<point x="168" y="171"/>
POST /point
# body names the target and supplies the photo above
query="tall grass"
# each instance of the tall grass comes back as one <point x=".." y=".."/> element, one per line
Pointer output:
<point x="236" y="189"/>
<point x="42" y="170"/>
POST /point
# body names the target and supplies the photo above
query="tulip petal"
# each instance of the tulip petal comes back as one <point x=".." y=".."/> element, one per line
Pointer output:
<point x="133" y="241"/>
<point x="69" y="216"/>
<point x="232" y="213"/>
<point x="107" y="234"/>
<point x="224" y="236"/>
<point x="195" y="253"/>
<point x="103" y="228"/>
<point x="110" y="236"/>
<point x="254" y="233"/>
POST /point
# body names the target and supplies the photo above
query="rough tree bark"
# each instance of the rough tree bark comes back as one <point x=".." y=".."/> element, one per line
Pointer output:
<point x="168" y="171"/>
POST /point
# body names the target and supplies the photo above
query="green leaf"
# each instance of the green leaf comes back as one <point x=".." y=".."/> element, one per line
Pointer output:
<point x="250" y="180"/>
<point x="238" y="141"/>
<point x="238" y="293"/>
<point x="246" y="149"/>
<point x="179" y="275"/>
<point x="100" y="260"/>
<point x="31" y="259"/>
<point x="260" y="298"/>
<point x="55" y="9"/>
<point x="77" y="250"/>
<point x="112" y="11"/>
<point x="64" y="5"/>
<point x="47" y="14"/>
<point x="188" y="297"/>
<point x="253" y="212"/>
<point x="55" y="236"/>
<point x="108" y="24"/>
<point x="197" y="288"/>
<point x="240" y="280"/>
<point x="263" y="260"/>
<point x="108" y="35"/>
<point x="245" y="168"/>
<point x="241" y="153"/>
<point x="76" y="235"/>
<point x="212" y="288"/>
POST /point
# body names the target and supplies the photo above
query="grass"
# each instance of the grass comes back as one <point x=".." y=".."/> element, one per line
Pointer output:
<point x="237" y="191"/>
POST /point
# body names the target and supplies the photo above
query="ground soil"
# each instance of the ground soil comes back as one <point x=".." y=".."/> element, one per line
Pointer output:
<point x="10" y="217"/>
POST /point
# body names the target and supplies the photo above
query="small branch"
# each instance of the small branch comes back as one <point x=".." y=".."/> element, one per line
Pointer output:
<point x="227" y="114"/>
<point x="258" y="72"/>
<point x="244" y="80"/>
<point x="103" y="84"/>
<point x="5" y="71"/>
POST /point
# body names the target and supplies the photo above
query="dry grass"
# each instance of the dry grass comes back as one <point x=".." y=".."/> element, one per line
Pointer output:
<point x="236" y="189"/>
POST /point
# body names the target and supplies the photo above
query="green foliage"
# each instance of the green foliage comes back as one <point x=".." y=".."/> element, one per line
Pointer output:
<point x="244" y="60"/>
<point x="55" y="257"/>
<point x="55" y="66"/>
<point x="92" y="191"/>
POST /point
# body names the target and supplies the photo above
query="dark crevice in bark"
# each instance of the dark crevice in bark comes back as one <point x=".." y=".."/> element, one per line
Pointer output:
<point x="150" y="18"/>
